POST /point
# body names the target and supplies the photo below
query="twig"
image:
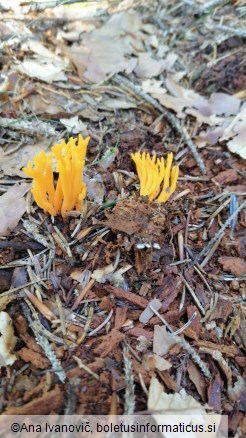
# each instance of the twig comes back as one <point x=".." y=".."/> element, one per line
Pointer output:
<point x="220" y="233"/>
<point x="83" y="293"/>
<point x="212" y="4"/>
<point x="217" y="355"/>
<point x="194" y="178"/>
<point x="216" y="212"/>
<point x="238" y="32"/>
<point x="211" y="252"/>
<point x="30" y="127"/>
<point x="169" y="116"/>
<point x="233" y="207"/>
<point x="15" y="289"/>
<point x="129" y="380"/>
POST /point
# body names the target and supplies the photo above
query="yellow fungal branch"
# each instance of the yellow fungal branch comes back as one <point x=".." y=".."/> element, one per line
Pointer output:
<point x="158" y="179"/>
<point x="70" y="189"/>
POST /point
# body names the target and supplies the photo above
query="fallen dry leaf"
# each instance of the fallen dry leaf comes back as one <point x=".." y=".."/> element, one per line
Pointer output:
<point x="148" y="67"/>
<point x="179" y="403"/>
<point x="12" y="207"/>
<point x="197" y="378"/>
<point x="103" y="50"/>
<point x="236" y="129"/>
<point x="95" y="188"/>
<point x="238" y="143"/>
<point x="12" y="163"/>
<point x="153" y="361"/>
<point x="43" y="70"/>
<point x="46" y="66"/>
<point x="163" y="340"/>
<point x="106" y="57"/>
<point x="39" y="49"/>
<point x="232" y="129"/>
<point x="75" y="126"/>
<point x="107" y="274"/>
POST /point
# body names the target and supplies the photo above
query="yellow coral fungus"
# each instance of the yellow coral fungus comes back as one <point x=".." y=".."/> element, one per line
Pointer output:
<point x="70" y="189"/>
<point x="158" y="179"/>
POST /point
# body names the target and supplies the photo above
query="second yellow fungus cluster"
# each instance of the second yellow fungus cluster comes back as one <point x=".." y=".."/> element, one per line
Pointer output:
<point x="70" y="190"/>
<point x="158" y="179"/>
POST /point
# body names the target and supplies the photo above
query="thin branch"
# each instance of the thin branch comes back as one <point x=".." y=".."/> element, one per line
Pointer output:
<point x="238" y="32"/>
<point x="211" y="5"/>
<point x="30" y="127"/>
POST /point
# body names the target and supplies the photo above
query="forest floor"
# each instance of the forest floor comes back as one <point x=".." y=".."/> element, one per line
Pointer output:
<point x="161" y="76"/>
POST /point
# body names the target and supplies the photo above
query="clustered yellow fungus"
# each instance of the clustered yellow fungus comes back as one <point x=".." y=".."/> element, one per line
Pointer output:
<point x="158" y="179"/>
<point x="70" y="190"/>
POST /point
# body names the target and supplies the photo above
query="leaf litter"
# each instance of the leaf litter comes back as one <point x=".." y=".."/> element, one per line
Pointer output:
<point x="157" y="286"/>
